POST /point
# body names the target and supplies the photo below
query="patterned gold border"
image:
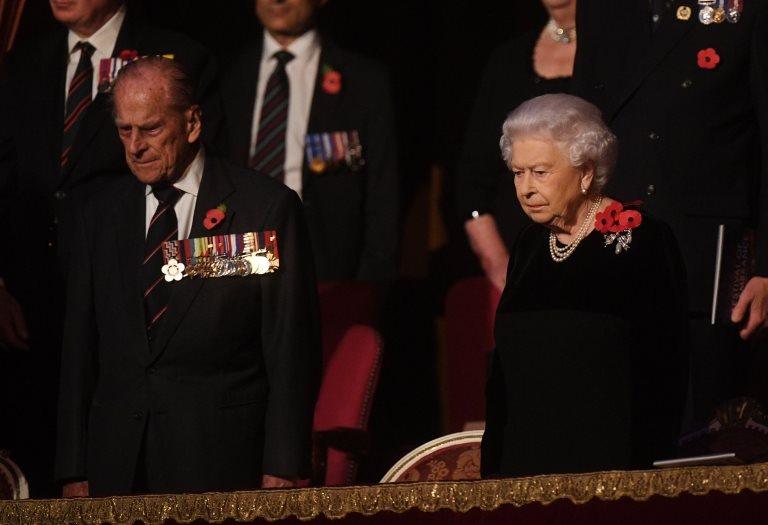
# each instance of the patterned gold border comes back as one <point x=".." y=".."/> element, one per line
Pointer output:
<point x="306" y="504"/>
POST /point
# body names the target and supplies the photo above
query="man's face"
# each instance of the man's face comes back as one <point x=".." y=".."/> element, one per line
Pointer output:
<point x="287" y="17"/>
<point x="158" y="138"/>
<point x="78" y="14"/>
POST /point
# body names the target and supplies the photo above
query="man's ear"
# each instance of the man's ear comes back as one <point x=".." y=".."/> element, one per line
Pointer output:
<point x="194" y="125"/>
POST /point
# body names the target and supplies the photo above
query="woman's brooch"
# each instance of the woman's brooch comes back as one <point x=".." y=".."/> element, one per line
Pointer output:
<point x="616" y="225"/>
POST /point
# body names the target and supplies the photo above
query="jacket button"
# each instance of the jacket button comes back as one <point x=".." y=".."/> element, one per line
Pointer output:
<point x="599" y="86"/>
<point x="137" y="415"/>
<point x="60" y="195"/>
<point x="687" y="83"/>
<point x="653" y="135"/>
<point x="650" y="190"/>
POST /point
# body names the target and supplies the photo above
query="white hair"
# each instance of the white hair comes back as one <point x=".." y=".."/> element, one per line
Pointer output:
<point x="574" y="124"/>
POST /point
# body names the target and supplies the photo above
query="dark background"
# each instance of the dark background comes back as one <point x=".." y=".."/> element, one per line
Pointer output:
<point x="436" y="51"/>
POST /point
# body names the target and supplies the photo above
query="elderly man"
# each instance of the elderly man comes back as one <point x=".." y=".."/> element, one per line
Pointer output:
<point x="57" y="139"/>
<point x="319" y="118"/>
<point x="187" y="366"/>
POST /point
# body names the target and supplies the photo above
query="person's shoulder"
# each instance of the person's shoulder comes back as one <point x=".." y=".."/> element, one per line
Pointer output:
<point x="32" y="52"/>
<point x="517" y="48"/>
<point x="250" y="184"/>
<point x="352" y="61"/>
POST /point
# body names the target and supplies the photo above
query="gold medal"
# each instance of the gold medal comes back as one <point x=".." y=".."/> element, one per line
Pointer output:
<point x="317" y="165"/>
<point x="719" y="16"/>
<point x="684" y="13"/>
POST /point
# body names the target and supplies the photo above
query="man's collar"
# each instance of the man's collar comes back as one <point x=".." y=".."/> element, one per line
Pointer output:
<point x="302" y="48"/>
<point x="189" y="182"/>
<point x="104" y="39"/>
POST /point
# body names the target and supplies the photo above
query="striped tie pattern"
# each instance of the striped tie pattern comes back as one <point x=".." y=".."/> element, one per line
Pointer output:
<point x="163" y="226"/>
<point x="78" y="98"/>
<point x="269" y="153"/>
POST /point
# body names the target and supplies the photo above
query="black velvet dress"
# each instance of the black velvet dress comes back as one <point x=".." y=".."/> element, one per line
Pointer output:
<point x="590" y="367"/>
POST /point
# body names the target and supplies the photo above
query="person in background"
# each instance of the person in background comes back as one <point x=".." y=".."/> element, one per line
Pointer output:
<point x="319" y="118"/>
<point x="531" y="64"/>
<point x="684" y="85"/>
<point x="591" y="361"/>
<point x="179" y="373"/>
<point x="57" y="139"/>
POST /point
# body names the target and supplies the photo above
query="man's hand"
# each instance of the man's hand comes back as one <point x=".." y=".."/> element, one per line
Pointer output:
<point x="13" y="327"/>
<point x="76" y="489"/>
<point x="754" y="303"/>
<point x="487" y="244"/>
<point x="273" y="482"/>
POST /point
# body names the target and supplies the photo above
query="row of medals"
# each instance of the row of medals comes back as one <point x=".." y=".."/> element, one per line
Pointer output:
<point x="713" y="15"/>
<point x="240" y="266"/>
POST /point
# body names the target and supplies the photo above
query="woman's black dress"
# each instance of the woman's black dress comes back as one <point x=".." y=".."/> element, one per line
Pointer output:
<point x="590" y="367"/>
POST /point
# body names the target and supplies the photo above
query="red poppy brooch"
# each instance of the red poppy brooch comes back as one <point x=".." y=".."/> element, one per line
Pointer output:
<point x="708" y="58"/>
<point x="215" y="216"/>
<point x="331" y="80"/>
<point x="616" y="225"/>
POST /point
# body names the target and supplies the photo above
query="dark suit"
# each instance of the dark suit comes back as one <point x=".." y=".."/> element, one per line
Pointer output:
<point x="35" y="207"/>
<point x="352" y="216"/>
<point x="691" y="139"/>
<point x="226" y="389"/>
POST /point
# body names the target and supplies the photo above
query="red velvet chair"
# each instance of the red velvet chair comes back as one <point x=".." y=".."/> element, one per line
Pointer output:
<point x="343" y="304"/>
<point x="470" y="309"/>
<point x="350" y="379"/>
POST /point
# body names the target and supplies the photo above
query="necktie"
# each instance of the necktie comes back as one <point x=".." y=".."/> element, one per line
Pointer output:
<point x="78" y="98"/>
<point x="163" y="227"/>
<point x="269" y="153"/>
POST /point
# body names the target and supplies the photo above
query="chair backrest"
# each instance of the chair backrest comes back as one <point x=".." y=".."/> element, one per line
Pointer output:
<point x="350" y="379"/>
<point x="470" y="310"/>
<point x="448" y="458"/>
<point x="13" y="484"/>
<point x="344" y="304"/>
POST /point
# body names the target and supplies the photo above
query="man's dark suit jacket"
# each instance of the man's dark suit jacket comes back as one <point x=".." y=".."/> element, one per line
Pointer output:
<point x="36" y="206"/>
<point x="693" y="142"/>
<point x="226" y="389"/>
<point x="352" y="216"/>
<point x="35" y="194"/>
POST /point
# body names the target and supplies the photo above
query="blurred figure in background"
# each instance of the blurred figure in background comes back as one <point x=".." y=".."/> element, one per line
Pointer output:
<point x="319" y="119"/>
<point x="531" y="64"/>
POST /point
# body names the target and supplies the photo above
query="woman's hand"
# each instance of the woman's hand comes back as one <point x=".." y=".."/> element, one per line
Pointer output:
<point x="754" y="303"/>
<point x="76" y="489"/>
<point x="485" y="241"/>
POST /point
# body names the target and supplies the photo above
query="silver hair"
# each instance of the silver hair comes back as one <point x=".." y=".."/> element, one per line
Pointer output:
<point x="574" y="124"/>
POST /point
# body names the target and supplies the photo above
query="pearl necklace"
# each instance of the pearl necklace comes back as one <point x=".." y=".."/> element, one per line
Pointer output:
<point x="560" y="254"/>
<point x="561" y="34"/>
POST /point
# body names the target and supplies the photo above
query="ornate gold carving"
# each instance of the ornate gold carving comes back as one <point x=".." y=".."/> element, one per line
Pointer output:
<point x="335" y="502"/>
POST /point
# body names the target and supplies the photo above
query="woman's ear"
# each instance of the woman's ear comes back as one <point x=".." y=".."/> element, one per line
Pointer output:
<point x="586" y="177"/>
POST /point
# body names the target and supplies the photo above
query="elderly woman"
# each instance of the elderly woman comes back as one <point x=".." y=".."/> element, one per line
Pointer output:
<point x="589" y="371"/>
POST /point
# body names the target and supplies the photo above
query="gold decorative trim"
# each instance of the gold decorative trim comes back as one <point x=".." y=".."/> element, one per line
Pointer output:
<point x="334" y="503"/>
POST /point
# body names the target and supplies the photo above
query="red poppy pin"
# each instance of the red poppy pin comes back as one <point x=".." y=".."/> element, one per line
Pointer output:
<point x="215" y="216"/>
<point x="708" y="58"/>
<point x="128" y="54"/>
<point x="616" y="225"/>
<point x="331" y="80"/>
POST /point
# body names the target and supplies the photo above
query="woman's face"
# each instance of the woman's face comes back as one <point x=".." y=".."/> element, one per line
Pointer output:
<point x="547" y="186"/>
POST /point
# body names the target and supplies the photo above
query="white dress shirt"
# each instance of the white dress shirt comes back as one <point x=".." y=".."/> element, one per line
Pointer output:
<point x="189" y="184"/>
<point x="103" y="40"/>
<point x="302" y="72"/>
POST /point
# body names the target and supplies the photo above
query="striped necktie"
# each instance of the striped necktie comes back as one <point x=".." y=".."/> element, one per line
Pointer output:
<point x="163" y="227"/>
<point x="78" y="98"/>
<point x="269" y="153"/>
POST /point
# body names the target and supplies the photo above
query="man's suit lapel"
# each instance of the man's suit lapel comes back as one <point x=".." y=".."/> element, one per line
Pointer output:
<point x="242" y="100"/>
<point x="130" y="216"/>
<point x="325" y="109"/>
<point x="215" y="187"/>
<point x="669" y="32"/>
<point x="99" y="114"/>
